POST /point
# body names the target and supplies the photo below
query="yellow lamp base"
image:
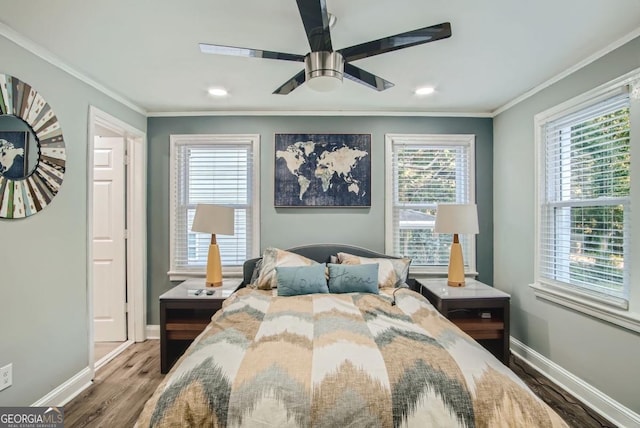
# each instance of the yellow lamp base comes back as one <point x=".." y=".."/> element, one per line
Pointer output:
<point x="456" y="265"/>
<point x="214" y="267"/>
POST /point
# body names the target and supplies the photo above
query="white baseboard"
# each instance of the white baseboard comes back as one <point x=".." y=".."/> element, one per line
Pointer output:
<point x="594" y="398"/>
<point x="67" y="391"/>
<point x="111" y="355"/>
<point x="153" y="331"/>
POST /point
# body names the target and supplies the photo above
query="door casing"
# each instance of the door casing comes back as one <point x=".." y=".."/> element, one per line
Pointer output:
<point x="136" y="213"/>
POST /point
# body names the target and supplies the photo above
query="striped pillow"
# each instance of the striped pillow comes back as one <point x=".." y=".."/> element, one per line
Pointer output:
<point x="273" y="257"/>
<point x="391" y="272"/>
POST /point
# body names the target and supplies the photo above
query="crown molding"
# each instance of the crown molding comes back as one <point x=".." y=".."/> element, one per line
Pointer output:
<point x="46" y="55"/>
<point x="317" y="113"/>
<point x="591" y="58"/>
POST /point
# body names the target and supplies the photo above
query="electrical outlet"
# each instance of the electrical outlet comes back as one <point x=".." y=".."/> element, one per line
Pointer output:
<point x="6" y="377"/>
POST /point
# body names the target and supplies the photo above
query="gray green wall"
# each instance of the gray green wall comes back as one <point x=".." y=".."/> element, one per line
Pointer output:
<point x="601" y="354"/>
<point x="43" y="281"/>
<point x="43" y="268"/>
<point x="288" y="227"/>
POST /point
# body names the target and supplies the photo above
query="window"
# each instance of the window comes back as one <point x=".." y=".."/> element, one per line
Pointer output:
<point x="584" y="198"/>
<point x="213" y="169"/>
<point x="422" y="171"/>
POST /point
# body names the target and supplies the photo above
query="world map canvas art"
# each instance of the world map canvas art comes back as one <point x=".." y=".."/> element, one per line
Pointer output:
<point x="323" y="170"/>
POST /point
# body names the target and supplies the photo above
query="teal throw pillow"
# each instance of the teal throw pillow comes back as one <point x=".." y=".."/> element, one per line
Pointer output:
<point x="353" y="278"/>
<point x="297" y="280"/>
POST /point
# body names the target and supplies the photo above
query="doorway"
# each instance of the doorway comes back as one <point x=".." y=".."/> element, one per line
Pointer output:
<point x="116" y="256"/>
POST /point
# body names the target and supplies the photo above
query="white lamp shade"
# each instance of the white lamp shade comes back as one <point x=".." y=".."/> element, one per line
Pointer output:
<point x="457" y="218"/>
<point x="214" y="219"/>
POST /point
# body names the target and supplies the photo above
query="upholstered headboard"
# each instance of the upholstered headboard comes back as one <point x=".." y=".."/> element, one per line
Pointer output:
<point x="318" y="252"/>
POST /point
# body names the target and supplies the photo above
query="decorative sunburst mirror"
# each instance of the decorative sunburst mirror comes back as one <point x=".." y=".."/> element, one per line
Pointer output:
<point x="32" y="151"/>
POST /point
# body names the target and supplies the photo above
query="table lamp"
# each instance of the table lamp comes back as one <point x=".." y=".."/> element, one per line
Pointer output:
<point x="213" y="219"/>
<point x="456" y="218"/>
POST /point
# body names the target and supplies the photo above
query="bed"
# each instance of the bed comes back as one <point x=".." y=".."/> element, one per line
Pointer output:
<point x="354" y="359"/>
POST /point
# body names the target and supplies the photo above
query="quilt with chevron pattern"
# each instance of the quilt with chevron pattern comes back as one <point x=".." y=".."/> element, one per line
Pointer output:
<point x="339" y="360"/>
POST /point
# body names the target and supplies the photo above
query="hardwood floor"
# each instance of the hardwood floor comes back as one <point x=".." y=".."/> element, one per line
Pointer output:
<point x="123" y="386"/>
<point x="572" y="411"/>
<point x="101" y="349"/>
<point x="119" y="391"/>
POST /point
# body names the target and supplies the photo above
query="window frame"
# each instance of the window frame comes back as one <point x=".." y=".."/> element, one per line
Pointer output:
<point x="467" y="140"/>
<point x="176" y="140"/>
<point x="610" y="309"/>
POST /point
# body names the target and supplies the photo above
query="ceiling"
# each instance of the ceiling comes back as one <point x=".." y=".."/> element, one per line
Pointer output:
<point x="147" y="50"/>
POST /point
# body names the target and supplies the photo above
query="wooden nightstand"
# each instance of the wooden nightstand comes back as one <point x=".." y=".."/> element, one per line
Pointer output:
<point x="477" y="309"/>
<point x="183" y="315"/>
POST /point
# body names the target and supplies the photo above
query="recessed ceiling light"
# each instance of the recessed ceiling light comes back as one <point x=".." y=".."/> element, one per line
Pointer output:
<point x="218" y="92"/>
<point x="426" y="90"/>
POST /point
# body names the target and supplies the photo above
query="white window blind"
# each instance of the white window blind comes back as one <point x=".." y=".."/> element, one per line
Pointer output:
<point x="584" y="212"/>
<point x="212" y="170"/>
<point x="426" y="170"/>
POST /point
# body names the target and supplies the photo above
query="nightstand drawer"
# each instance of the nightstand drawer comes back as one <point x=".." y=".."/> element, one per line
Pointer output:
<point x="184" y="334"/>
<point x="186" y="325"/>
<point x="477" y="309"/>
<point x="185" y="329"/>
<point x="184" y="315"/>
<point x="480" y="328"/>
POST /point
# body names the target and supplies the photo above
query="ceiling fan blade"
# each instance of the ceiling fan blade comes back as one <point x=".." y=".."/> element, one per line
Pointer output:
<point x="316" y="23"/>
<point x="291" y="84"/>
<point x="246" y="52"/>
<point x="365" y="78"/>
<point x="399" y="41"/>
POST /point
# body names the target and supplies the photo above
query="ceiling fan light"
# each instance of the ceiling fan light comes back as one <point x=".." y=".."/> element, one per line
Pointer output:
<point x="425" y="90"/>
<point x="323" y="70"/>
<point x="218" y="92"/>
<point x="324" y="83"/>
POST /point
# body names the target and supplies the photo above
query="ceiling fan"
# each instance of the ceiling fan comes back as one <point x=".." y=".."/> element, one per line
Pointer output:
<point x="324" y="67"/>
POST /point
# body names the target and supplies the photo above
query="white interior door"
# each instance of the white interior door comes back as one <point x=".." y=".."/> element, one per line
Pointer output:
<point x="109" y="261"/>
